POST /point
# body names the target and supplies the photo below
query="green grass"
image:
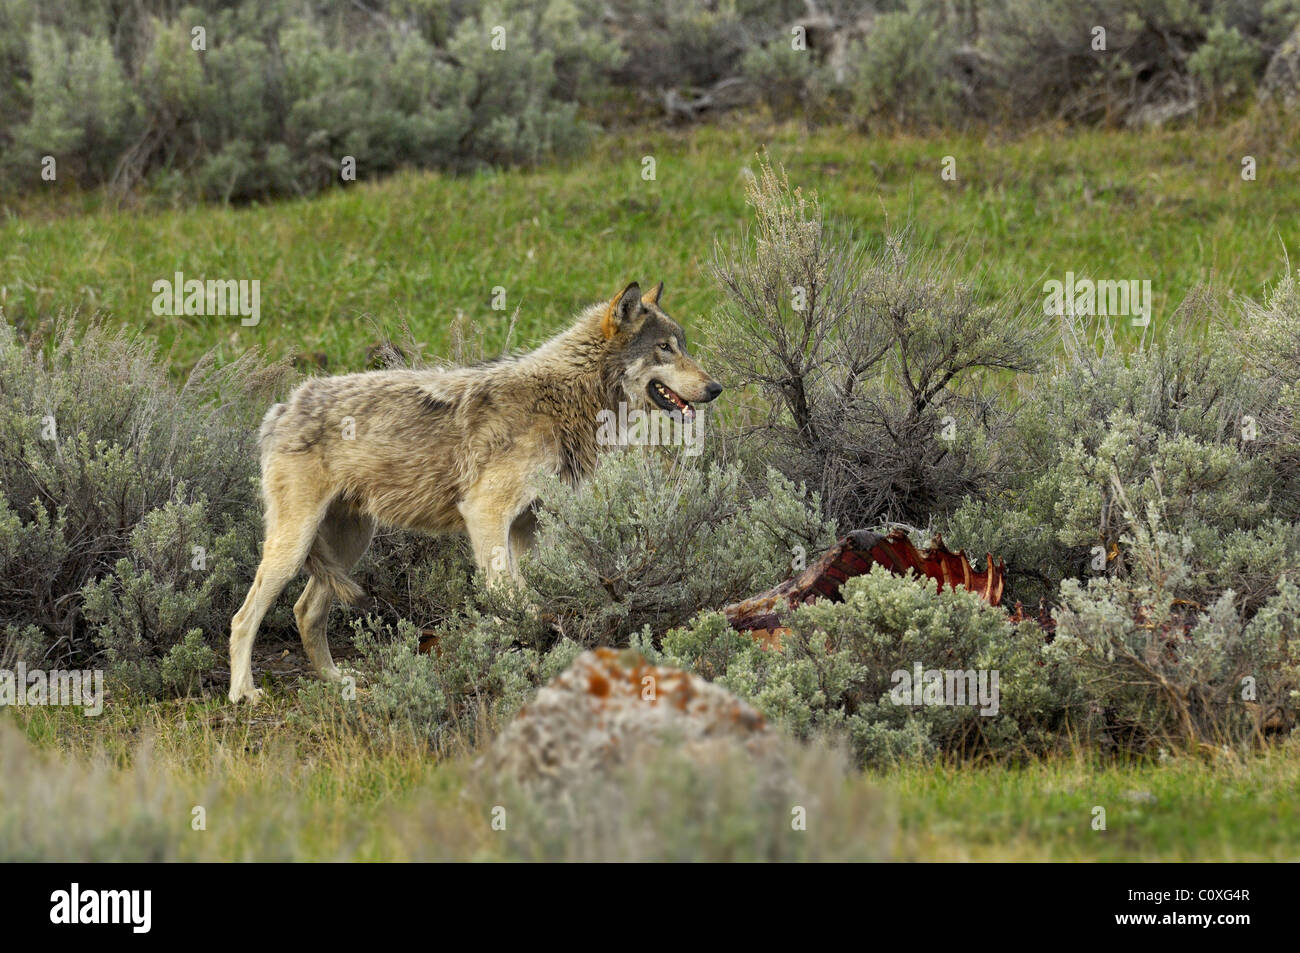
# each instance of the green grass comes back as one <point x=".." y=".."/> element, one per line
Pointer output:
<point x="276" y="789"/>
<point x="1181" y="810"/>
<point x="1168" y="206"/>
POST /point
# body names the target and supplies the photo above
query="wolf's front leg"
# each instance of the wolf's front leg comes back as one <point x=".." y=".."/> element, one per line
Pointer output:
<point x="489" y="537"/>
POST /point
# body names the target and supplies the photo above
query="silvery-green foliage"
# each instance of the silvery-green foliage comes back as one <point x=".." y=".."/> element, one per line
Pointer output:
<point x="474" y="677"/>
<point x="792" y="82"/>
<point x="687" y="45"/>
<point x="520" y="105"/>
<point x="187" y="662"/>
<point x="1155" y="666"/>
<point x="128" y="505"/>
<point x="282" y="91"/>
<point x="654" y="537"/>
<point x="147" y="613"/>
<point x="1157" y="53"/>
<point x="1225" y="64"/>
<point x="873" y="368"/>
<point x="1268" y="334"/>
<point x="1166" y="420"/>
<point x="84" y="109"/>
<point x="1277" y="625"/>
<point x="905" y="73"/>
<point x="835" y="670"/>
<point x="414" y="576"/>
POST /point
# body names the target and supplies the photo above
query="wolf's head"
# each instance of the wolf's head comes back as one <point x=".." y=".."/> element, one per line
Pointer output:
<point x="648" y="349"/>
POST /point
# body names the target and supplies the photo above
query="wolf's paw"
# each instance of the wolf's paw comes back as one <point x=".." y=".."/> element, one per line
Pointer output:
<point x="250" y="695"/>
<point x="331" y="673"/>
<point x="339" y="674"/>
<point x="334" y="675"/>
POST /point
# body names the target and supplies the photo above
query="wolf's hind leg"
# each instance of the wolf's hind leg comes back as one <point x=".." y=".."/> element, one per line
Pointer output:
<point x="342" y="539"/>
<point x="522" y="533"/>
<point x="291" y="526"/>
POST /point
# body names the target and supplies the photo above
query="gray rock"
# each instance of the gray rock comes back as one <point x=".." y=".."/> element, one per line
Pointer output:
<point x="1281" y="83"/>
<point x="611" y="709"/>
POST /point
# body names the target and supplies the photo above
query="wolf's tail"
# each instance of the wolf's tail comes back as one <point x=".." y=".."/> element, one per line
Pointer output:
<point x="324" y="567"/>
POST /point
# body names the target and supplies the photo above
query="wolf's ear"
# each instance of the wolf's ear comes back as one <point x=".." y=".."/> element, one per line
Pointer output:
<point x="652" y="296"/>
<point x="621" y="310"/>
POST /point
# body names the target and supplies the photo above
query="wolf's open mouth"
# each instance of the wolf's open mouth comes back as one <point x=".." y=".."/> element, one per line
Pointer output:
<point x="665" y="398"/>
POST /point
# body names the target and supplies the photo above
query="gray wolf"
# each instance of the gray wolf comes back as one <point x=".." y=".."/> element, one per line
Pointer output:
<point x="445" y="450"/>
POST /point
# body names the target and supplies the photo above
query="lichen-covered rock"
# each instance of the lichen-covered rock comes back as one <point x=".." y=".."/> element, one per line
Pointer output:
<point x="612" y="708"/>
<point x="1281" y="81"/>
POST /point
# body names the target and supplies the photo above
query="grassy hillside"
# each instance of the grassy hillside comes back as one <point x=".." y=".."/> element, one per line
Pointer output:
<point x="1170" y="207"/>
<point x="281" y="782"/>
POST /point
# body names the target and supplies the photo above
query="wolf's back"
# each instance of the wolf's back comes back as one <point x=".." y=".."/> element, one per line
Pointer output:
<point x="266" y="434"/>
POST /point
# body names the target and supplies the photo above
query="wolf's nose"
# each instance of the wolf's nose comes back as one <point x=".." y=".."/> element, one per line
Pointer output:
<point x="712" y="391"/>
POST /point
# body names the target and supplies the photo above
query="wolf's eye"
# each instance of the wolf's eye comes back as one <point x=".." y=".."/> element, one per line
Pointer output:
<point x="666" y="347"/>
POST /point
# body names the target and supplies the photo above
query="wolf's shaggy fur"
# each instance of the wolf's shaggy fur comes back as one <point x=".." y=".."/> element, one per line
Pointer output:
<point x="445" y="451"/>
